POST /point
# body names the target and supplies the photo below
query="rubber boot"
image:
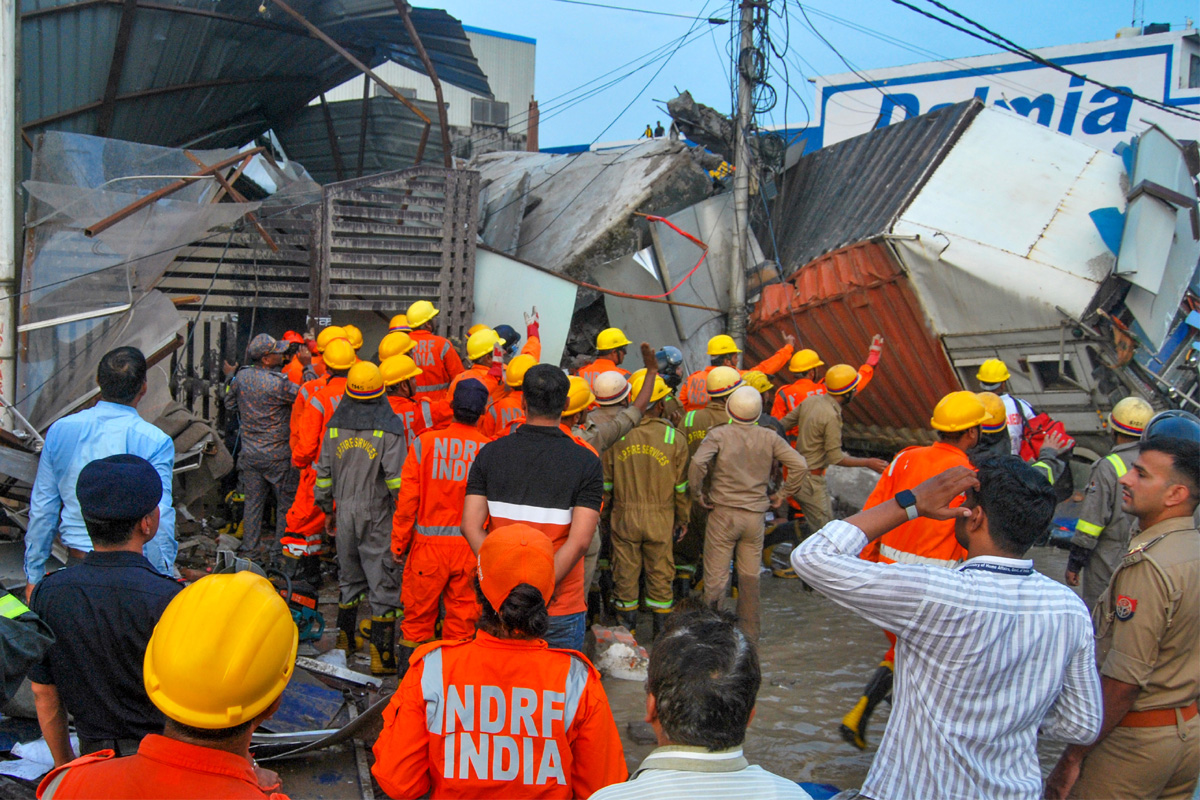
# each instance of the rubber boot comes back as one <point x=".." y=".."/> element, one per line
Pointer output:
<point x="854" y="724"/>
<point x="660" y="619"/>
<point x="629" y="620"/>
<point x="310" y="571"/>
<point x="383" y="645"/>
<point x="347" y="619"/>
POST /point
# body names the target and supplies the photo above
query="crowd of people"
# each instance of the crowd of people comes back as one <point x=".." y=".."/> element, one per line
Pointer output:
<point x="486" y="512"/>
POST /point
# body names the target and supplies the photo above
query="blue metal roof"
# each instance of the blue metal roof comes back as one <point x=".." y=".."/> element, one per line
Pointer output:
<point x="500" y="34"/>
<point x="194" y="72"/>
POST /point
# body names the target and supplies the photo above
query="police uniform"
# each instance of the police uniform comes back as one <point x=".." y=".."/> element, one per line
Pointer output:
<point x="1148" y="634"/>
<point x="645" y="473"/>
<point x="1103" y="531"/>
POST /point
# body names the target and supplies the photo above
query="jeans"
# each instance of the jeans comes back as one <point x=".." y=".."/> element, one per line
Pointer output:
<point x="566" y="632"/>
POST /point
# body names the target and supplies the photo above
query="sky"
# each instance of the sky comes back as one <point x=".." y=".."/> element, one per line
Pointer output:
<point x="576" y="45"/>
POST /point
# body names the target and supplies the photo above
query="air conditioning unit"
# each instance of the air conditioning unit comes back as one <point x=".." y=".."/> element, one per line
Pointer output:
<point x="410" y="94"/>
<point x="489" y="112"/>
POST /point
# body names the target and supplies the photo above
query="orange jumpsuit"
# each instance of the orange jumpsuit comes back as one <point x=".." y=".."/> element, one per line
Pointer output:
<point x="503" y="415"/>
<point x="304" y="519"/>
<point x="494" y="384"/>
<point x="694" y="391"/>
<point x="439" y="363"/>
<point x="597" y="368"/>
<point x="422" y="415"/>
<point x="295" y="370"/>
<point x="918" y="541"/>
<point x="433" y="486"/>
<point x="498" y="718"/>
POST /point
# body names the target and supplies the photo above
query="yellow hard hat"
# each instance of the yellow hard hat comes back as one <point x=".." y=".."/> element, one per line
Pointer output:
<point x="1130" y="416"/>
<point x="610" y="387"/>
<point x="354" y="336"/>
<point x="758" y="380"/>
<point x="340" y="355"/>
<point x="611" y="339"/>
<point x="804" y="360"/>
<point x="222" y="652"/>
<point x="992" y="371"/>
<point x="474" y="329"/>
<point x="399" y="323"/>
<point x="997" y="419"/>
<point x="958" y="411"/>
<point x="514" y="372"/>
<point x="841" y="379"/>
<point x="365" y="381"/>
<point x="638" y="379"/>
<point x="722" y="380"/>
<point x="328" y="335"/>
<point x="420" y="312"/>
<point x="579" y="396"/>
<point x="481" y="343"/>
<point x="396" y="343"/>
<point x="721" y="345"/>
<point x="397" y="369"/>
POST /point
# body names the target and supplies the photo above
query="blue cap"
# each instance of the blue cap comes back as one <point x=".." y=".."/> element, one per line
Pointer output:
<point x="470" y="396"/>
<point x="118" y="488"/>
<point x="508" y="334"/>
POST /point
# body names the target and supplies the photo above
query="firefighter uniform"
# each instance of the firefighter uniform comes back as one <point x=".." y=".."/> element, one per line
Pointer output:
<point x="645" y="474"/>
<point x="1148" y="635"/>
<point x="791" y="396"/>
<point x="1103" y="531"/>
<point x="696" y="425"/>
<point x="441" y="564"/>
<point x="359" y="469"/>
<point x="693" y="393"/>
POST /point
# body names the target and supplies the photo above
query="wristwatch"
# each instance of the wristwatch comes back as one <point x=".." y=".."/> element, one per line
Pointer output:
<point x="908" y="501"/>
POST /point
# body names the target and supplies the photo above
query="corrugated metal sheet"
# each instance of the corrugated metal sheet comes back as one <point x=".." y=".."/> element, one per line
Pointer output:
<point x="218" y="74"/>
<point x="393" y="133"/>
<point x="853" y="190"/>
<point x="836" y="304"/>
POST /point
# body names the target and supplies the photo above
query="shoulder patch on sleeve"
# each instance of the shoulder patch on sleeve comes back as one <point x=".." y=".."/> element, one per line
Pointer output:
<point x="1124" y="607"/>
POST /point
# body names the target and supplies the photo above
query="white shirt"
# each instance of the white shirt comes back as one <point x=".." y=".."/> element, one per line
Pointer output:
<point x="986" y="654"/>
<point x="676" y="772"/>
<point x="1016" y="411"/>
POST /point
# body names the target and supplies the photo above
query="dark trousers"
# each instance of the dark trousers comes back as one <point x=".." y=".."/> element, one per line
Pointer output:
<point x="259" y="478"/>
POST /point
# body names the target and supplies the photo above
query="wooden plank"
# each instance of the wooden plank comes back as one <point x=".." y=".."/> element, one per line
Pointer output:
<point x="340" y="210"/>
<point x="386" y="229"/>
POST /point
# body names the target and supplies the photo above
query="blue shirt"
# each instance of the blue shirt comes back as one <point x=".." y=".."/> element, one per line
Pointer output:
<point x="73" y="442"/>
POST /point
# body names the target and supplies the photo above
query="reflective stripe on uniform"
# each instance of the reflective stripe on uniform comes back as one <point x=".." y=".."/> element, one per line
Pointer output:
<point x="11" y="607"/>
<point x="333" y="433"/>
<point x="425" y="409"/>
<point x="377" y="434"/>
<point x="433" y="387"/>
<point x="901" y="557"/>
<point x="439" y="530"/>
<point x="445" y="350"/>
<point x="431" y="690"/>
<point x="1049" y="471"/>
<point x="416" y="446"/>
<point x="1118" y="464"/>
<point x="577" y="677"/>
<point x="608" y="485"/>
<point x="393" y="483"/>
<point x="689" y="418"/>
<point x="324" y="483"/>
<point x="315" y="402"/>
<point x="658" y="604"/>
<point x="669" y="437"/>
<point x="1083" y="526"/>
<point x="681" y="487"/>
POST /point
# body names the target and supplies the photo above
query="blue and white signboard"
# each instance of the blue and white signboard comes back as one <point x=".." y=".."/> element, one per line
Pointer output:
<point x="1164" y="67"/>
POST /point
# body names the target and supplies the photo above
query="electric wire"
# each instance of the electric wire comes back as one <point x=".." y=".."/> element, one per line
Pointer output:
<point x="709" y="20"/>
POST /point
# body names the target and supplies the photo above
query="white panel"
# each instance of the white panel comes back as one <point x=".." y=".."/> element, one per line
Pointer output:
<point x="497" y="304"/>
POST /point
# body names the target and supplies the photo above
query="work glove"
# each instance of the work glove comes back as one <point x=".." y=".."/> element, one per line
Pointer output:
<point x="532" y="325"/>
<point x="876" y="350"/>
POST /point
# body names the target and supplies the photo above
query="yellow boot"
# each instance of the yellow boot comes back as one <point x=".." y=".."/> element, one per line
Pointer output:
<point x="854" y="724"/>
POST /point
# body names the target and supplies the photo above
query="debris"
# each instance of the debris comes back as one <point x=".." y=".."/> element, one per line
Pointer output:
<point x="618" y="654"/>
<point x="305" y="704"/>
<point x="341" y="673"/>
<point x="33" y="759"/>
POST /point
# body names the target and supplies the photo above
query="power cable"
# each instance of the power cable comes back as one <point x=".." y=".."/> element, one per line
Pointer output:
<point x="709" y="20"/>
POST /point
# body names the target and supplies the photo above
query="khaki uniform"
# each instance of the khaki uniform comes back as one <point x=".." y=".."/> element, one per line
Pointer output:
<point x="696" y="425"/>
<point x="732" y="468"/>
<point x="1148" y="634"/>
<point x="819" y="440"/>
<point x="645" y="475"/>
<point x="1103" y="528"/>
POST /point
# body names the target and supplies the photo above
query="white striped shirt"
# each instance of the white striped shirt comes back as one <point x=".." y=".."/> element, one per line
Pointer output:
<point x="986" y="655"/>
<point x="676" y="772"/>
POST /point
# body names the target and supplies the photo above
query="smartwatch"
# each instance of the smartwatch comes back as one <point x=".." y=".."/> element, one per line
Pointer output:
<point x="908" y="501"/>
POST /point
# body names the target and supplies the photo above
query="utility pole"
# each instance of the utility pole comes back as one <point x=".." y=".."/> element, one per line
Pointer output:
<point x="741" y="177"/>
<point x="9" y="223"/>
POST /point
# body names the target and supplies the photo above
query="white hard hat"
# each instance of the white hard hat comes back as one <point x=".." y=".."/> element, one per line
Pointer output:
<point x="744" y="405"/>
<point x="610" y="388"/>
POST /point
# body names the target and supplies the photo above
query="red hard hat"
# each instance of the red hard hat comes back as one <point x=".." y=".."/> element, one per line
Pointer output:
<point x="293" y="337"/>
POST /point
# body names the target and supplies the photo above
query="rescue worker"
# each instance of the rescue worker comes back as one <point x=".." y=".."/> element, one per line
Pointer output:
<point x="993" y="434"/>
<point x="399" y="323"/>
<point x="306" y="526"/>
<point x="612" y="345"/>
<point x="540" y="712"/>
<point x="819" y="440"/>
<point x="437" y="358"/>
<point x="670" y="367"/>
<point x="729" y="476"/>
<point x="993" y="376"/>
<point x="354" y="336"/>
<point x="396" y="343"/>
<point x="476" y="328"/>
<point x="603" y="431"/>
<point x="720" y="383"/>
<point x="1148" y="637"/>
<point x="441" y="565"/>
<point x="612" y="394"/>
<point x="216" y="666"/>
<point x="418" y="415"/>
<point x="957" y="419"/>
<point x="804" y="367"/>
<point x="645" y="481"/>
<point x="303" y="363"/>
<point x="723" y="352"/>
<point x="766" y="390"/>
<point x="509" y="410"/>
<point x="359" y="469"/>
<point x="1103" y="531"/>
<point x="482" y="347"/>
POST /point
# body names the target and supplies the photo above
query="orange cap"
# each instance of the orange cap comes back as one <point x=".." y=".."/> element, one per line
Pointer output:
<point x="512" y="555"/>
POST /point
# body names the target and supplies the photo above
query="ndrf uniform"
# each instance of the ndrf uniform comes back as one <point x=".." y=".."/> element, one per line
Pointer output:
<point x="645" y="473"/>
<point x="1148" y="635"/>
<point x="1103" y="531"/>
